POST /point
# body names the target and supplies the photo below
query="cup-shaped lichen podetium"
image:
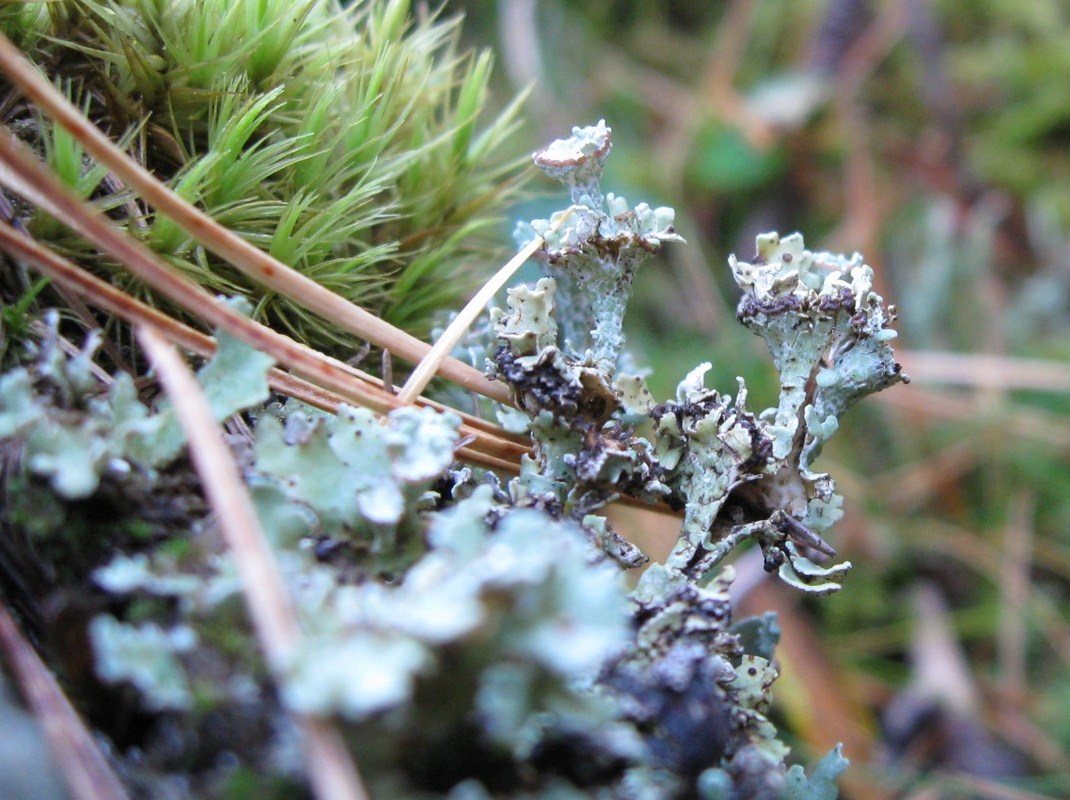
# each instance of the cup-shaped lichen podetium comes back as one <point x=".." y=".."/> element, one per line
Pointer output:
<point x="594" y="252"/>
<point x="846" y="351"/>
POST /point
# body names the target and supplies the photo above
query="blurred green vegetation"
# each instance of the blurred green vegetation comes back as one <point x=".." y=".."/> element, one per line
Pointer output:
<point x="933" y="137"/>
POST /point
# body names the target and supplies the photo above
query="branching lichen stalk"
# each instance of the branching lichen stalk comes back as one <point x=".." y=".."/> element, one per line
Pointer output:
<point x="737" y="474"/>
<point x="594" y="255"/>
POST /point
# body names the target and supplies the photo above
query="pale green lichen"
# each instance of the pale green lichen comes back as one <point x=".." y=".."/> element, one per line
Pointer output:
<point x="821" y="783"/>
<point x="74" y="436"/>
<point x="365" y="464"/>
<point x="146" y="656"/>
<point x="738" y="475"/>
<point x="360" y="476"/>
<point x="476" y="636"/>
<point x="595" y="252"/>
<point x="367" y="644"/>
<point x="846" y="351"/>
<point x="530" y="326"/>
<point x="129" y="574"/>
<point x="689" y="677"/>
<point x="70" y="445"/>
<point x="356" y="675"/>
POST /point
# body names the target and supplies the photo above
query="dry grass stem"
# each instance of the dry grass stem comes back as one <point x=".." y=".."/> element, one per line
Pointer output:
<point x="145" y="264"/>
<point x="429" y="367"/>
<point x="87" y="773"/>
<point x="324" y="382"/>
<point x="273" y="616"/>
<point x="99" y="292"/>
<point x="985" y="370"/>
<point x="142" y="262"/>
<point x="239" y="253"/>
<point x="330" y="769"/>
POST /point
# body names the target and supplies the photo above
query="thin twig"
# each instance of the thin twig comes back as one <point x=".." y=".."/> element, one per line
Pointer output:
<point x="88" y="775"/>
<point x="273" y="616"/>
<point x="239" y="253"/>
<point x="485" y="443"/>
<point x="330" y="769"/>
<point x="141" y="261"/>
<point x="24" y="175"/>
<point x="98" y="292"/>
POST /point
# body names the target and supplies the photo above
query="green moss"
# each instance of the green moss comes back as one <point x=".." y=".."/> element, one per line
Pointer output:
<point x="347" y="142"/>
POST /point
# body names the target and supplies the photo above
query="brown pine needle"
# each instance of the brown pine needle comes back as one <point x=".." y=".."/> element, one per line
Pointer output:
<point x="88" y="775"/>
<point x="323" y="381"/>
<point x="330" y="769"/>
<point x="146" y="265"/>
<point x="490" y="446"/>
<point x="243" y="256"/>
<point x="99" y="292"/>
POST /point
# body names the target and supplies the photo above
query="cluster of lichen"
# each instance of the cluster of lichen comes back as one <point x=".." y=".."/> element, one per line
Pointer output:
<point x="477" y="639"/>
<point x="736" y="474"/>
<point x="345" y="141"/>
<point x="474" y="642"/>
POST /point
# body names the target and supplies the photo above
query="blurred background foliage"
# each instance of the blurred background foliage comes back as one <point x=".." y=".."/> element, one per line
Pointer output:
<point x="933" y="137"/>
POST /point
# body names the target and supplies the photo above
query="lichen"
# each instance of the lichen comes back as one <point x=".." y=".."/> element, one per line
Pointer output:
<point x="354" y="471"/>
<point x="820" y="784"/>
<point x="476" y="636"/>
<point x="147" y="656"/>
<point x="737" y="474"/>
<point x="595" y="253"/>
<point x="368" y="643"/>
<point x="74" y="433"/>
